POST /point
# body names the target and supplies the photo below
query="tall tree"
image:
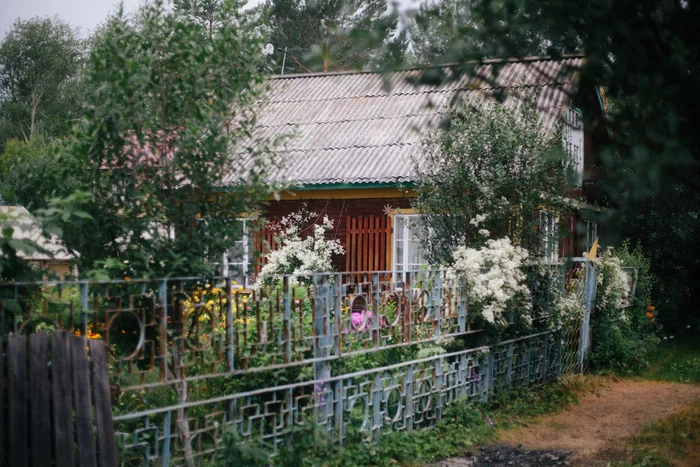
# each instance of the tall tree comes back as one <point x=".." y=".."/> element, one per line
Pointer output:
<point x="170" y="110"/>
<point x="492" y="169"/>
<point x="441" y="30"/>
<point x="39" y="68"/>
<point x="645" y="55"/>
<point x="332" y="35"/>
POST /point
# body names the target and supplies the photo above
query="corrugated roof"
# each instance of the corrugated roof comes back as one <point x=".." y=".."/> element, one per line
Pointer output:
<point x="366" y="127"/>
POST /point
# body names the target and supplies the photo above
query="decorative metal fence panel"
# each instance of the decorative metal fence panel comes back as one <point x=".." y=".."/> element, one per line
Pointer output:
<point x="170" y="330"/>
<point x="364" y="404"/>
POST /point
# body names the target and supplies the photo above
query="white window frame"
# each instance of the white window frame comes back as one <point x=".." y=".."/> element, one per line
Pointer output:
<point x="243" y="264"/>
<point x="591" y="234"/>
<point x="549" y="229"/>
<point x="573" y="141"/>
<point x="405" y="237"/>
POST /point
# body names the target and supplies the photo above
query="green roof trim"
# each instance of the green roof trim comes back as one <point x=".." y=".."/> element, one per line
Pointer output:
<point x="350" y="186"/>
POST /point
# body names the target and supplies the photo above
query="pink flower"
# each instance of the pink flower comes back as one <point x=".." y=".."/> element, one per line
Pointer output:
<point x="361" y="319"/>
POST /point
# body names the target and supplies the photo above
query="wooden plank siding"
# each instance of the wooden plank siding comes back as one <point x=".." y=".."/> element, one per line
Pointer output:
<point x="365" y="231"/>
<point x="361" y="225"/>
<point x="366" y="240"/>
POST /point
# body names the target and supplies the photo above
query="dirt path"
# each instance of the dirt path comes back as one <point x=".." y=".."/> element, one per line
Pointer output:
<point x="600" y="422"/>
<point x="614" y="413"/>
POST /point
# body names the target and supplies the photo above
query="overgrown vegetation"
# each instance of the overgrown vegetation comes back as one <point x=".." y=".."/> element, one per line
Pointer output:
<point x="625" y="328"/>
<point x="674" y="440"/>
<point x="464" y="425"/>
<point x="676" y="360"/>
<point x="493" y="170"/>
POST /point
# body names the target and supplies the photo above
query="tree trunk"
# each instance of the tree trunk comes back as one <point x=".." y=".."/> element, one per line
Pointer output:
<point x="183" y="427"/>
<point x="35" y="104"/>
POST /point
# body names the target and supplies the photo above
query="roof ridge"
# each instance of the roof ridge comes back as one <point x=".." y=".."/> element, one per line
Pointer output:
<point x="431" y="90"/>
<point x="488" y="61"/>
<point x="338" y="148"/>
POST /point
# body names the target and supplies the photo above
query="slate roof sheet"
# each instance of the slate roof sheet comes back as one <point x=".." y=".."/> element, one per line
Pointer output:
<point x="359" y="128"/>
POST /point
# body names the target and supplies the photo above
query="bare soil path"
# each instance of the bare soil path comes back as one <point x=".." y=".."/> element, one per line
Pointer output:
<point x="599" y="422"/>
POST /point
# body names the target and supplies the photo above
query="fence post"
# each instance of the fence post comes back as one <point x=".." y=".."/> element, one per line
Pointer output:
<point x="377" y="421"/>
<point x="321" y="318"/>
<point x="376" y="299"/>
<point x="230" y="350"/>
<point x="163" y="330"/>
<point x="487" y="386"/>
<point x="509" y="365"/>
<point x="436" y="305"/>
<point x="462" y="307"/>
<point x="287" y="331"/>
<point x="408" y="390"/>
<point x="589" y="304"/>
<point x="439" y="379"/>
<point x="83" y="306"/>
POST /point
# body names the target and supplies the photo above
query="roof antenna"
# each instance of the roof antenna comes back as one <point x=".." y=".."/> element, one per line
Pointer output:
<point x="284" y="60"/>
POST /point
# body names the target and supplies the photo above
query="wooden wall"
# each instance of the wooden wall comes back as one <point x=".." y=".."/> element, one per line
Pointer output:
<point x="361" y="225"/>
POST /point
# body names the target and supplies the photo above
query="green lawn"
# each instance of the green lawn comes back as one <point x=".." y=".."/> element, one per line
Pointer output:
<point x="676" y="361"/>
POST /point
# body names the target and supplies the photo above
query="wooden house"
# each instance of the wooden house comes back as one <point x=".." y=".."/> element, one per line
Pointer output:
<point x="51" y="255"/>
<point x="357" y="135"/>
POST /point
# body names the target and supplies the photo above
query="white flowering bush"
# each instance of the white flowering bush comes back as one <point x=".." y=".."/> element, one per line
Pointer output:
<point x="494" y="277"/>
<point x="300" y="256"/>
<point x="613" y="282"/>
<point x="626" y="329"/>
<point x="569" y="306"/>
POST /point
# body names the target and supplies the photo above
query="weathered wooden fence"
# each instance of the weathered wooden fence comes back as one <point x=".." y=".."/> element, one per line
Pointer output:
<point x="50" y="387"/>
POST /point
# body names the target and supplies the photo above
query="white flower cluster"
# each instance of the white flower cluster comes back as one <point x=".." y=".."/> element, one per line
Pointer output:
<point x="613" y="282"/>
<point x="493" y="275"/>
<point x="300" y="257"/>
<point x="569" y="306"/>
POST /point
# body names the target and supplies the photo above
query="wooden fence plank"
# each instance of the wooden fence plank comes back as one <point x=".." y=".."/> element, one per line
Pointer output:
<point x="17" y="399"/>
<point x="83" y="405"/>
<point x="348" y="250"/>
<point x="103" y="408"/>
<point x="382" y="243"/>
<point x="353" y="247"/>
<point x="62" y="402"/>
<point x="40" y="436"/>
<point x="2" y="399"/>
<point x="372" y="231"/>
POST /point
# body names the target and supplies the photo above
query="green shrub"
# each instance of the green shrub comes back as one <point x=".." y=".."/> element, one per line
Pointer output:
<point x="625" y="328"/>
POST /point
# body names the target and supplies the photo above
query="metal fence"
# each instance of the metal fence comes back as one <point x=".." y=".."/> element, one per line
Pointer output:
<point x="400" y="397"/>
<point x="193" y="357"/>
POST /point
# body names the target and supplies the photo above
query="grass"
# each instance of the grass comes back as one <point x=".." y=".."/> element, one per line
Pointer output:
<point x="676" y="362"/>
<point x="674" y="440"/>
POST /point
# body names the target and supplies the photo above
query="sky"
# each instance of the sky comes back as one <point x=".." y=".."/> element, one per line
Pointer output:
<point x="85" y="14"/>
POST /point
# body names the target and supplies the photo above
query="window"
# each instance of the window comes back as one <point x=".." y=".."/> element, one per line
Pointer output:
<point x="591" y="234"/>
<point x="549" y="229"/>
<point x="407" y="250"/>
<point x="238" y="259"/>
<point x="573" y="142"/>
